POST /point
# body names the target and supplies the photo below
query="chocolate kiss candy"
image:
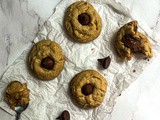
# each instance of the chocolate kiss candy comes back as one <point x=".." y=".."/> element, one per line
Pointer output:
<point x="87" y="89"/>
<point x="84" y="19"/>
<point x="64" y="116"/>
<point x="105" y="62"/>
<point x="47" y="63"/>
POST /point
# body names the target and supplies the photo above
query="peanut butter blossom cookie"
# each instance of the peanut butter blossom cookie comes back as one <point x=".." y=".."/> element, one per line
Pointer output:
<point x="129" y="41"/>
<point x="46" y="59"/>
<point x="82" y="22"/>
<point x="17" y="94"/>
<point x="88" y="88"/>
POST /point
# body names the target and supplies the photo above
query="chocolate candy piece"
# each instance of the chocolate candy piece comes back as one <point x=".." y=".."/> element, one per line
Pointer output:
<point x="87" y="89"/>
<point x="105" y="62"/>
<point x="64" y="116"/>
<point x="84" y="19"/>
<point x="47" y="63"/>
<point x="132" y="42"/>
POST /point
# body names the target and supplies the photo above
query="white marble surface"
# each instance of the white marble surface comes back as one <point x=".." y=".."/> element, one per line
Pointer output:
<point x="141" y="100"/>
<point x="19" y="23"/>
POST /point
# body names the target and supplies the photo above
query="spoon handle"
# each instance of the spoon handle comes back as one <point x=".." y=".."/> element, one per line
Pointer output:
<point x="18" y="115"/>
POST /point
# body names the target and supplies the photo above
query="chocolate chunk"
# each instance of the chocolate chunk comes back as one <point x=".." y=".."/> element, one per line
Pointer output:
<point x="47" y="63"/>
<point x="132" y="42"/>
<point x="84" y="19"/>
<point x="134" y="70"/>
<point x="87" y="89"/>
<point x="64" y="116"/>
<point x="105" y="62"/>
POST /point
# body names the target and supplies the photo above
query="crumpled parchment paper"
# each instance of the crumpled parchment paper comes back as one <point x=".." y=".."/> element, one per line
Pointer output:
<point x="50" y="98"/>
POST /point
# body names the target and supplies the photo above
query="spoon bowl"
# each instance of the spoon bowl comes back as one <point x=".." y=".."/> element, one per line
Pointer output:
<point x="20" y="109"/>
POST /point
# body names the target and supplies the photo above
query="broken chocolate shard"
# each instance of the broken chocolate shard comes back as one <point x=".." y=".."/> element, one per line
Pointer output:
<point x="64" y="116"/>
<point x="105" y="62"/>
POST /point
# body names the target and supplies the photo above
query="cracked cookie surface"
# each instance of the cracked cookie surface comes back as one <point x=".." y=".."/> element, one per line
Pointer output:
<point x="17" y="94"/>
<point x="46" y="59"/>
<point x="88" y="88"/>
<point x="82" y="22"/>
<point x="129" y="41"/>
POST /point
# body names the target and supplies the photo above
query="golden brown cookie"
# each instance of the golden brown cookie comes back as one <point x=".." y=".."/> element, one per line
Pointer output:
<point x="46" y="59"/>
<point x="82" y="22"/>
<point x="17" y="94"/>
<point x="88" y="88"/>
<point x="129" y="41"/>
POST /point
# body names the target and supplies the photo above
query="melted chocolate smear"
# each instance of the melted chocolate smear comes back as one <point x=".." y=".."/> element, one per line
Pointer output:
<point x="132" y="42"/>
<point x="64" y="116"/>
<point x="105" y="62"/>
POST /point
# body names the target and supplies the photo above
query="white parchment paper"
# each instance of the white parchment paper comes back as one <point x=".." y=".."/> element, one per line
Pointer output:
<point x="50" y="98"/>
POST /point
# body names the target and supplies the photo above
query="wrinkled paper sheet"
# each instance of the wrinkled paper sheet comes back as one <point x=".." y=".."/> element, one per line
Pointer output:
<point x="50" y="98"/>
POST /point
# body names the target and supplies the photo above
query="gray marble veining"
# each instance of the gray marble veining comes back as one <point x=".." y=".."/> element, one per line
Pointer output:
<point x="17" y="30"/>
<point x="146" y="10"/>
<point x="19" y="24"/>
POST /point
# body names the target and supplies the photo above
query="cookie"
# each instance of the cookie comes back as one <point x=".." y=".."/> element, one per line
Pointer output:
<point x="129" y="41"/>
<point x="46" y="59"/>
<point x="88" y="88"/>
<point x="17" y="94"/>
<point x="82" y="22"/>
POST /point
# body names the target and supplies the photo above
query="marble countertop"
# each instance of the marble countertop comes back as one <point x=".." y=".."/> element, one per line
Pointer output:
<point x="20" y="21"/>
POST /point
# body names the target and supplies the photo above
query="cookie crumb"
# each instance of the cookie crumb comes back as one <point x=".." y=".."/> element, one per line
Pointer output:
<point x="134" y="70"/>
<point x="92" y="49"/>
<point x="145" y="58"/>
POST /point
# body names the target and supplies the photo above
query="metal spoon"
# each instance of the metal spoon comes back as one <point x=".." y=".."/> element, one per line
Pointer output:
<point x="20" y="109"/>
